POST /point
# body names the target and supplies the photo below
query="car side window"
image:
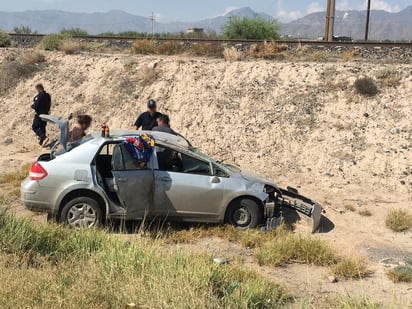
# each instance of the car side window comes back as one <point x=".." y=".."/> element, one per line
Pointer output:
<point x="217" y="171"/>
<point x="173" y="161"/>
<point x="123" y="160"/>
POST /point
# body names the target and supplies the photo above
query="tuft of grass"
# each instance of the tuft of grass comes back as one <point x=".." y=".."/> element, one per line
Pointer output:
<point x="170" y="48"/>
<point x="365" y="213"/>
<point x="70" y="46"/>
<point x="144" y="47"/>
<point x="267" y="50"/>
<point x="358" y="302"/>
<point x="14" y="71"/>
<point x="366" y="86"/>
<point x="32" y="58"/>
<point x="350" y="208"/>
<point x="349" y="55"/>
<point x="349" y="268"/>
<point x="232" y="54"/>
<point x="294" y="248"/>
<point x="50" y="264"/>
<point x="14" y="178"/>
<point x="389" y="77"/>
<point x="213" y="50"/>
<point x="319" y="56"/>
<point x="399" y="220"/>
<point x="400" y="274"/>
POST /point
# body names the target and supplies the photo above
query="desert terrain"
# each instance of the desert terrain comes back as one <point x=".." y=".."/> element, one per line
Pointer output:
<point x="299" y="123"/>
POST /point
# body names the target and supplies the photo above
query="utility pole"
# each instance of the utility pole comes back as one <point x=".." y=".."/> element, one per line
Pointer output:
<point x="330" y="20"/>
<point x="368" y="14"/>
<point x="153" y="19"/>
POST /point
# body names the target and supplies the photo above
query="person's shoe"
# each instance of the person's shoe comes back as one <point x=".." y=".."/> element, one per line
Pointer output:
<point x="44" y="141"/>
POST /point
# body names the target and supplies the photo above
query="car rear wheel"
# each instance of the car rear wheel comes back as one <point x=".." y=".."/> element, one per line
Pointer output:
<point x="244" y="214"/>
<point x="82" y="213"/>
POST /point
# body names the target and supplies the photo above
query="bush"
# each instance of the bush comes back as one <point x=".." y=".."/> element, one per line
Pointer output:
<point x="400" y="274"/>
<point x="348" y="268"/>
<point x="70" y="46"/>
<point x="5" y="40"/>
<point x="74" y="32"/>
<point x="23" y="30"/>
<point x="246" y="28"/>
<point x="398" y="220"/>
<point x="52" y="41"/>
<point x="32" y="57"/>
<point x="14" y="71"/>
<point x="366" y="86"/>
<point x="144" y="47"/>
<point x="267" y="50"/>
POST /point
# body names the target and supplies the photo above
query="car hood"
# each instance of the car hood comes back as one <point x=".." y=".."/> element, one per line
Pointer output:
<point x="251" y="176"/>
<point x="63" y="125"/>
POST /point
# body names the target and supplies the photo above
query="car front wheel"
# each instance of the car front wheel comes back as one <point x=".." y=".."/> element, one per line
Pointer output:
<point x="82" y="213"/>
<point x="244" y="214"/>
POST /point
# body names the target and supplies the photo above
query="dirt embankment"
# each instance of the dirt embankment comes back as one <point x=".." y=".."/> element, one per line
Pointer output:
<point x="301" y="124"/>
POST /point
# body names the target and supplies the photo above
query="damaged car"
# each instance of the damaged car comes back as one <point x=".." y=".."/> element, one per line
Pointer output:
<point x="136" y="175"/>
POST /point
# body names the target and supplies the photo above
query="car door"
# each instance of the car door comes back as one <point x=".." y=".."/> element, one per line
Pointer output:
<point x="133" y="183"/>
<point x="185" y="187"/>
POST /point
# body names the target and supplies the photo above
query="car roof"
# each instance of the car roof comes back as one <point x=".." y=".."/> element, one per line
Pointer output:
<point x="161" y="137"/>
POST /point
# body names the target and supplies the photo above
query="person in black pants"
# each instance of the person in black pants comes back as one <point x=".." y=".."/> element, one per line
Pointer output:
<point x="148" y="120"/>
<point x="41" y="105"/>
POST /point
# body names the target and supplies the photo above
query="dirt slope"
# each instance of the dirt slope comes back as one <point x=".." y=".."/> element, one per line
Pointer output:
<point x="301" y="124"/>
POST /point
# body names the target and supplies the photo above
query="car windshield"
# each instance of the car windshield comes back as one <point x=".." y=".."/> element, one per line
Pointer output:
<point x="231" y="167"/>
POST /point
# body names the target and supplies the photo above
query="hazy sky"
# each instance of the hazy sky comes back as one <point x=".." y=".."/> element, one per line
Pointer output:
<point x="189" y="10"/>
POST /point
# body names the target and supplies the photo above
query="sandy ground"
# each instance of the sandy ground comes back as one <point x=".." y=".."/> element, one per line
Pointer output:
<point x="301" y="124"/>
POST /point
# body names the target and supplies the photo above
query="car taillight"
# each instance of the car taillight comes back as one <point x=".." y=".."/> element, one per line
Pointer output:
<point x="37" y="172"/>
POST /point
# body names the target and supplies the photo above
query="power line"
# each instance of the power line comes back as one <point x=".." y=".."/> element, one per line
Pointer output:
<point x="152" y="19"/>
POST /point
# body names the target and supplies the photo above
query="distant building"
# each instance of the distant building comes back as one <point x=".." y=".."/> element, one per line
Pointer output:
<point x="195" y="30"/>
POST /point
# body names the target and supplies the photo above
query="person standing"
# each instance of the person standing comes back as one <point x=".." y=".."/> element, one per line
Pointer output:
<point x="41" y="105"/>
<point x="148" y="120"/>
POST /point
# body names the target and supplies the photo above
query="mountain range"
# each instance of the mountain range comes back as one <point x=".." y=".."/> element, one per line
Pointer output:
<point x="384" y="25"/>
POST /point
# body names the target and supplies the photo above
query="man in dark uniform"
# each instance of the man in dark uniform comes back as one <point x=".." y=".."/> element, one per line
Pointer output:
<point x="148" y="120"/>
<point x="41" y="105"/>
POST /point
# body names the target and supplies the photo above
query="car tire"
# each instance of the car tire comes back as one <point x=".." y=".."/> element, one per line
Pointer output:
<point x="244" y="214"/>
<point x="82" y="213"/>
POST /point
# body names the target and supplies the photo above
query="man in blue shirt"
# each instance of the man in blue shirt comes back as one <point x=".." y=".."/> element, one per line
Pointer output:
<point x="148" y="120"/>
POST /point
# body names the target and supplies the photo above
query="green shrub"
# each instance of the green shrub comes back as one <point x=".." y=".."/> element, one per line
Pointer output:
<point x="23" y="30"/>
<point x="251" y="29"/>
<point x="53" y="41"/>
<point x="74" y="32"/>
<point x="366" y="86"/>
<point x="5" y="40"/>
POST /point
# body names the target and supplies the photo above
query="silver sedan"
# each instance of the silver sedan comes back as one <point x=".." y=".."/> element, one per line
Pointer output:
<point x="99" y="178"/>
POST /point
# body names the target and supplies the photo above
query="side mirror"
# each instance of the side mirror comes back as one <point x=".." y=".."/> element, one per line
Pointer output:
<point x="215" y="179"/>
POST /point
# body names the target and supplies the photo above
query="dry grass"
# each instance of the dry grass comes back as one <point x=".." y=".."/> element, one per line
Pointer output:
<point x="350" y="208"/>
<point x="349" y="55"/>
<point x="71" y="46"/>
<point x="14" y="178"/>
<point x="144" y="47"/>
<point x="294" y="248"/>
<point x="389" y="77"/>
<point x="267" y="50"/>
<point x="319" y="56"/>
<point x="170" y="48"/>
<point x="213" y="50"/>
<point x="32" y="57"/>
<point x="232" y="54"/>
<point x="14" y="71"/>
<point x="51" y="264"/>
<point x="365" y="212"/>
<point x="400" y="274"/>
<point x="350" y="268"/>
<point x="358" y="302"/>
<point x="399" y="220"/>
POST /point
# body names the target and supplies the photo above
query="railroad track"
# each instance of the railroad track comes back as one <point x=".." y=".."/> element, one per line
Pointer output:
<point x="226" y="41"/>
